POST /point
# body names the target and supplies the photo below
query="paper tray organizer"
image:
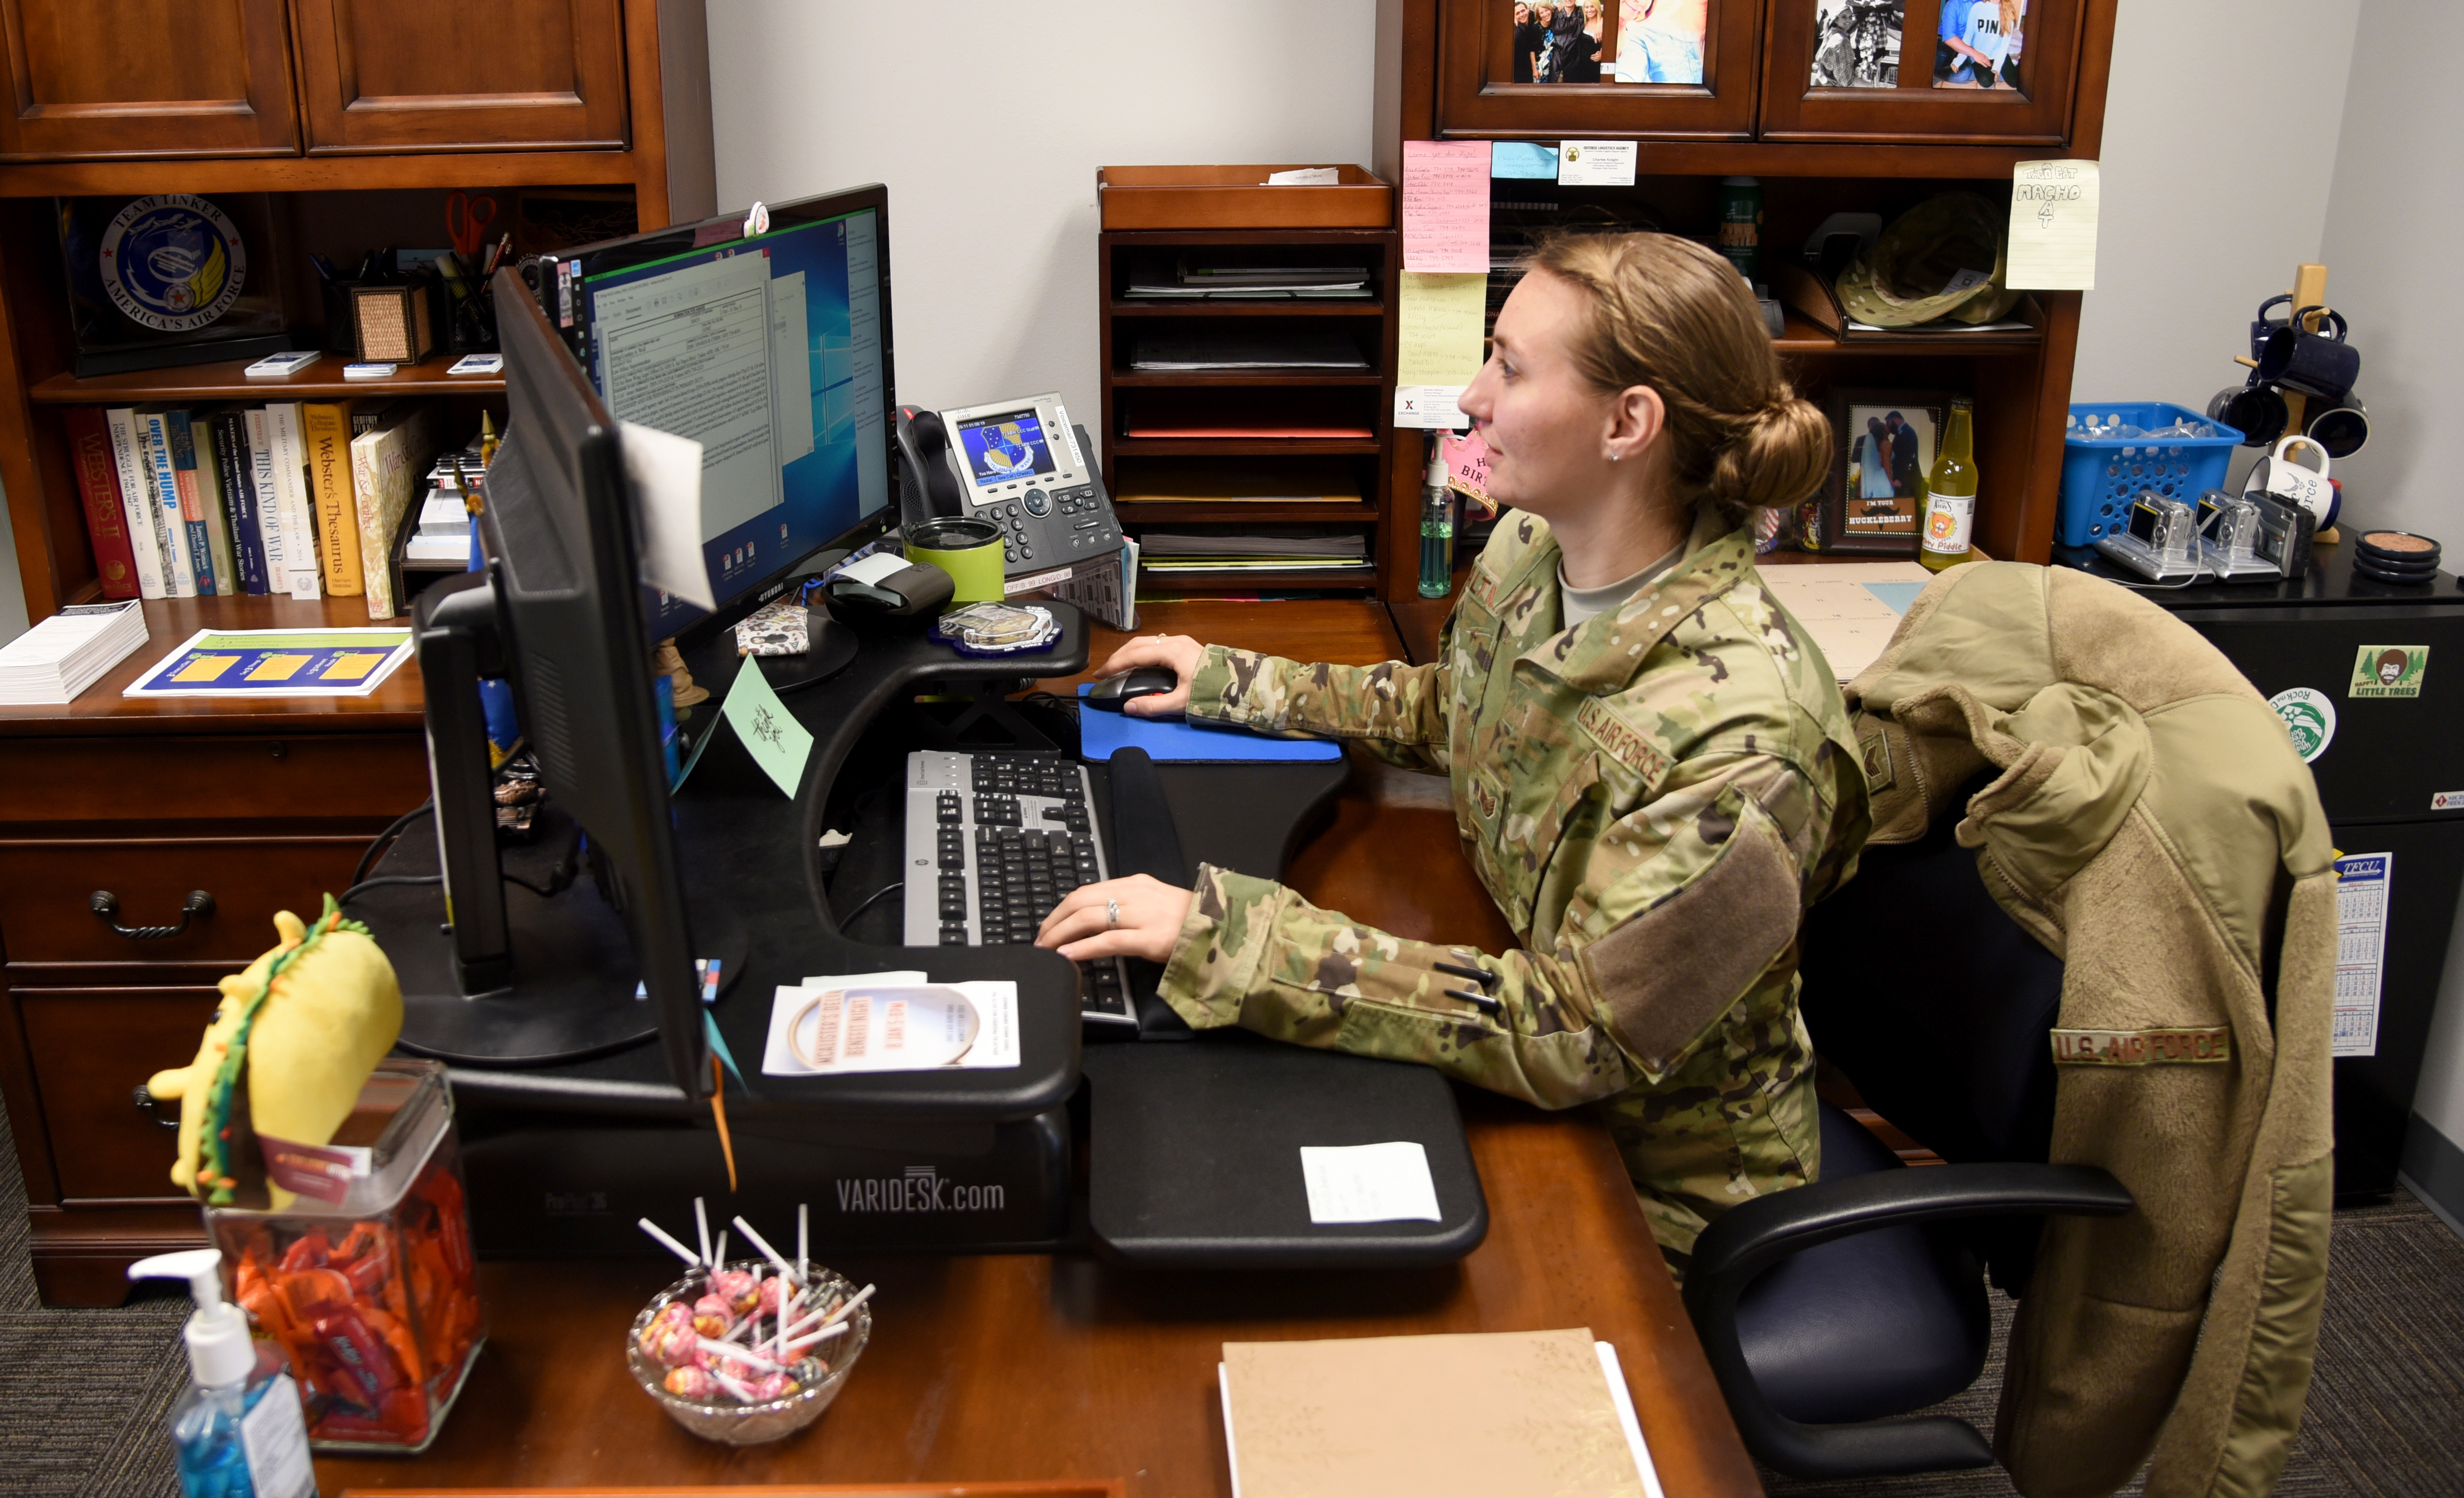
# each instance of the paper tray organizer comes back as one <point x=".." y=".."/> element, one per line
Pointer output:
<point x="1237" y="197"/>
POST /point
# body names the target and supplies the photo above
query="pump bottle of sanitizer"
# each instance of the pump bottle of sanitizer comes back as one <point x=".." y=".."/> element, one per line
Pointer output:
<point x="237" y="1431"/>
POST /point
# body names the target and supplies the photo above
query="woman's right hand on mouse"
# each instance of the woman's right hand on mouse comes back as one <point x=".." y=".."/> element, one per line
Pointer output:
<point x="1176" y="653"/>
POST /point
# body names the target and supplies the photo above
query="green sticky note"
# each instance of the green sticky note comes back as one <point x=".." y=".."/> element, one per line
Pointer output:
<point x="780" y="744"/>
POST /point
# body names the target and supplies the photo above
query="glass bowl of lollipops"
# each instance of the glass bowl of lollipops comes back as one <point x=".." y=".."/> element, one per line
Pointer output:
<point x="744" y="1354"/>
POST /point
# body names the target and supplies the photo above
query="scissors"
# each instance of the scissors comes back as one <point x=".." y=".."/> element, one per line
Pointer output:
<point x="466" y="220"/>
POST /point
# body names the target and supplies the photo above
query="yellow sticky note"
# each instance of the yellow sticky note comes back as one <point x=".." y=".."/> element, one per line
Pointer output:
<point x="1439" y="340"/>
<point x="204" y="668"/>
<point x="2053" y="225"/>
<point x="352" y="667"/>
<point x="277" y="668"/>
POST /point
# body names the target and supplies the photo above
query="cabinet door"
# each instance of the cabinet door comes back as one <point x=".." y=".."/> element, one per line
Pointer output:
<point x="146" y="78"/>
<point x="1671" y="68"/>
<point x="1886" y="70"/>
<point x="461" y="75"/>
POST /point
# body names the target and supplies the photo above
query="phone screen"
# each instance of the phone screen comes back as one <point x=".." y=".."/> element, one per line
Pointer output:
<point x="1005" y="448"/>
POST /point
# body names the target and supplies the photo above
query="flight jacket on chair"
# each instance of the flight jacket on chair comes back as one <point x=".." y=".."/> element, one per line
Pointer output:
<point x="2153" y="825"/>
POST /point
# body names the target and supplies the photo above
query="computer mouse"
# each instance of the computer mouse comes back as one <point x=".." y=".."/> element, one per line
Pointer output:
<point x="1113" y="693"/>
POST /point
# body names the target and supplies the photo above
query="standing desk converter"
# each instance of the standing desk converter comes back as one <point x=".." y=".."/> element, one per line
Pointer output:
<point x="1192" y="1141"/>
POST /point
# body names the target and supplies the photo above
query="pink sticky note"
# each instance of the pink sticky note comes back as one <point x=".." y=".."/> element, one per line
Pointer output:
<point x="1445" y="207"/>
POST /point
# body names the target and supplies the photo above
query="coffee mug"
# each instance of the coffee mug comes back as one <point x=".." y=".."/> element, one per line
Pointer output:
<point x="2254" y="410"/>
<point x="2262" y="326"/>
<point x="2342" y="430"/>
<point x="2315" y="364"/>
<point x="968" y="550"/>
<point x="2280" y="475"/>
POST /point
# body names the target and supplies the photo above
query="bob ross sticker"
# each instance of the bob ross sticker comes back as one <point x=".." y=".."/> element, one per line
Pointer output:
<point x="174" y="262"/>
<point x="2388" y="671"/>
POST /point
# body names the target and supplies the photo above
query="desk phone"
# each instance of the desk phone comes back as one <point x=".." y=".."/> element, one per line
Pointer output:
<point x="1018" y="463"/>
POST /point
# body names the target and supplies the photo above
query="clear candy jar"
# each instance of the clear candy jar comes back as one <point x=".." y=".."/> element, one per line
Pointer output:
<point x="366" y="1282"/>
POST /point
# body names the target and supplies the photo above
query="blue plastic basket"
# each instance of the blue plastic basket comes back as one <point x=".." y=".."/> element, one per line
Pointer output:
<point x="2101" y="475"/>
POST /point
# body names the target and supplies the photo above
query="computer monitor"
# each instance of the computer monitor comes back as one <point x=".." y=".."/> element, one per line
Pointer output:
<point x="560" y="611"/>
<point x="773" y="351"/>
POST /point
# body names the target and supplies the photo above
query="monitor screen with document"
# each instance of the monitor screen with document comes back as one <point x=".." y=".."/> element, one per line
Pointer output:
<point x="770" y="350"/>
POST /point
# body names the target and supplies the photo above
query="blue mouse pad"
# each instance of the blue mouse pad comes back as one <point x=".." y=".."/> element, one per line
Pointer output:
<point x="1100" y="734"/>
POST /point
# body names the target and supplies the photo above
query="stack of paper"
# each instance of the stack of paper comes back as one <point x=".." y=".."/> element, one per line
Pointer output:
<point x="1165" y="543"/>
<point x="1198" y="280"/>
<point x="68" y="653"/>
<point x="1219" y="350"/>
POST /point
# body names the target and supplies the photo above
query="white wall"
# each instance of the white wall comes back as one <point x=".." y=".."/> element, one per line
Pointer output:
<point x="2212" y="196"/>
<point x="2392" y="227"/>
<point x="988" y="121"/>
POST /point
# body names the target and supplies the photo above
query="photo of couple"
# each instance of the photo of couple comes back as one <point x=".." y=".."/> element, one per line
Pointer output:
<point x="1857" y="43"/>
<point x="1624" y="41"/>
<point x="1889" y="449"/>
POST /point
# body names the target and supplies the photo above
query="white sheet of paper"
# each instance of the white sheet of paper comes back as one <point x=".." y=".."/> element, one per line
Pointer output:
<point x="2053" y="225"/>
<point x="666" y="471"/>
<point x="1430" y="406"/>
<point x="1596" y="163"/>
<point x="1370" y="1183"/>
<point x="995" y="1044"/>
<point x="1304" y="177"/>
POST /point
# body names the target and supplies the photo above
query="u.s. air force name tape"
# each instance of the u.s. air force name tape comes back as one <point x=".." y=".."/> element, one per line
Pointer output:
<point x="2142" y="1048"/>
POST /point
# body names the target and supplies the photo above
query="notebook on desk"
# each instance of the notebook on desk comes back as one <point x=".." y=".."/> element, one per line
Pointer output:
<point x="1170" y="740"/>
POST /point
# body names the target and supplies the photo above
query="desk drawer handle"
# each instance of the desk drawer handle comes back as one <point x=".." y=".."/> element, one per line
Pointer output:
<point x="107" y="906"/>
<point x="145" y="1104"/>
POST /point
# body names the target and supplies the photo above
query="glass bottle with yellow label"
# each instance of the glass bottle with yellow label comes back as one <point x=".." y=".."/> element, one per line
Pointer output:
<point x="1950" y="493"/>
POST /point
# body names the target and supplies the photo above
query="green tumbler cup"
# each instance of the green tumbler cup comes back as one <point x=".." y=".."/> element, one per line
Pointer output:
<point x="968" y="550"/>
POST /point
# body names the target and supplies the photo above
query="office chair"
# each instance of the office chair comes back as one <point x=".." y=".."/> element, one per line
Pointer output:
<point x="1862" y="1296"/>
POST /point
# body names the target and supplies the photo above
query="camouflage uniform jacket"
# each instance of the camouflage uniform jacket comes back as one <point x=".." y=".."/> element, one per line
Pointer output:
<point x="1652" y="798"/>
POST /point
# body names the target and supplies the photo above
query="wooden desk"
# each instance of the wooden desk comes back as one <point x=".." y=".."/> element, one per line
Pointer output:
<point x="1032" y="1367"/>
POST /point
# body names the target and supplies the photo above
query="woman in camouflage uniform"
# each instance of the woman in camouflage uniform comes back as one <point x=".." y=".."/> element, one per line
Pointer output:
<point x="1651" y="769"/>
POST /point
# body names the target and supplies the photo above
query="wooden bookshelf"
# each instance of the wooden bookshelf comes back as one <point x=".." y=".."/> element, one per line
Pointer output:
<point x="226" y="380"/>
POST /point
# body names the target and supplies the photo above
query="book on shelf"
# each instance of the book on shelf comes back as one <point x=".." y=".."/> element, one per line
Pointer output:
<point x="189" y="566"/>
<point x="228" y="425"/>
<point x="325" y="429"/>
<point x="97" y="480"/>
<point x="207" y="467"/>
<point x="388" y="464"/>
<point x="141" y="516"/>
<point x="295" y="498"/>
<point x="265" y="499"/>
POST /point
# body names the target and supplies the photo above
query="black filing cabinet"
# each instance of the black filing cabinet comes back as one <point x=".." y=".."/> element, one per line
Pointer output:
<point x="2391" y="777"/>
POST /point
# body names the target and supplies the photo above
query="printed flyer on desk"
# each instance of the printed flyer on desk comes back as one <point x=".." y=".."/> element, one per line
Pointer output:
<point x="277" y="663"/>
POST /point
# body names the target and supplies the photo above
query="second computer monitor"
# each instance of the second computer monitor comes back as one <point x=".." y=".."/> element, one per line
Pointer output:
<point x="772" y="351"/>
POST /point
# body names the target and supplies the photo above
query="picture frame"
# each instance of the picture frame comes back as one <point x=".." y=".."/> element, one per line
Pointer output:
<point x="1884" y="442"/>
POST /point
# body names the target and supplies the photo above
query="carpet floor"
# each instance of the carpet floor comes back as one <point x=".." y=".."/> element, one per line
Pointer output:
<point x="85" y="1395"/>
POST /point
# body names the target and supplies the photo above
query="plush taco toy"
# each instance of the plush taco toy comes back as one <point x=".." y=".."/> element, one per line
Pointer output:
<point x="296" y="1036"/>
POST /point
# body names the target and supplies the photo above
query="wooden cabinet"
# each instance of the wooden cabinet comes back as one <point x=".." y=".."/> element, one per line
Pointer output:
<point x="461" y="75"/>
<point x="145" y="77"/>
<point x="265" y="805"/>
<point x="2027" y="104"/>
<point x="1485" y="85"/>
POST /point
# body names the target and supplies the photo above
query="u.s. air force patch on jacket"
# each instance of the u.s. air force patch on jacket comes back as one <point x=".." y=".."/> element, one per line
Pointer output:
<point x="2201" y="1046"/>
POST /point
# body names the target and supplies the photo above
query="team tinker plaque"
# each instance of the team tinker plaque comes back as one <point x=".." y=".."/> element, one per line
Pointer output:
<point x="170" y="278"/>
<point x="174" y="262"/>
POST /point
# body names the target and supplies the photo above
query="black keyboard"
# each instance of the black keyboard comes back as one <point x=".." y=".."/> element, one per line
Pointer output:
<point x="994" y="841"/>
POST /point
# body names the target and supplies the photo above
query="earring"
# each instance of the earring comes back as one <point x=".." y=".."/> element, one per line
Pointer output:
<point x="1613" y="458"/>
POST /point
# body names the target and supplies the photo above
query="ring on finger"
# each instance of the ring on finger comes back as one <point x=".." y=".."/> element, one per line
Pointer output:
<point x="1111" y="914"/>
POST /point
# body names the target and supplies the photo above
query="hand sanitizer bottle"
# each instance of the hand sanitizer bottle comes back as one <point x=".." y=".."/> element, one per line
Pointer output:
<point x="237" y="1431"/>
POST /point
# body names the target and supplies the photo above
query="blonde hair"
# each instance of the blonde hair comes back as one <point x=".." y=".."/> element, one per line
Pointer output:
<point x="1669" y="314"/>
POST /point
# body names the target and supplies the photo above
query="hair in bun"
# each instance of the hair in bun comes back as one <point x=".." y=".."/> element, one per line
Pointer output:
<point x="1668" y="312"/>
